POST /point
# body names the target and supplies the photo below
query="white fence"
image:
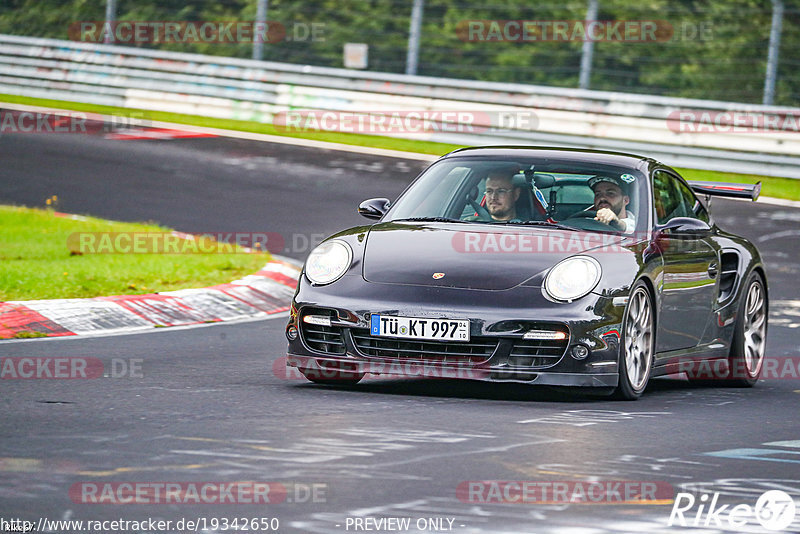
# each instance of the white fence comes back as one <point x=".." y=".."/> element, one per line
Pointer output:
<point x="729" y="136"/>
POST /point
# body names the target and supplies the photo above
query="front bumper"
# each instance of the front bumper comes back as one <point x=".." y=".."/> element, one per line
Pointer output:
<point x="345" y="345"/>
<point x="326" y="367"/>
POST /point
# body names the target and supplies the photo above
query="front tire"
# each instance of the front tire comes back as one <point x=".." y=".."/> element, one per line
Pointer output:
<point x="637" y="344"/>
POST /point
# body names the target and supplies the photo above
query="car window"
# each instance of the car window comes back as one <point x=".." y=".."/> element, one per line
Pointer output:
<point x="567" y="199"/>
<point x="570" y="194"/>
<point x="672" y="198"/>
<point x="689" y="199"/>
<point x="701" y="212"/>
<point x="430" y="201"/>
<point x="555" y="192"/>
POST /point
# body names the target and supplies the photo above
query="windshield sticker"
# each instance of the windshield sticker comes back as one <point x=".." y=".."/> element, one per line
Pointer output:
<point x="627" y="178"/>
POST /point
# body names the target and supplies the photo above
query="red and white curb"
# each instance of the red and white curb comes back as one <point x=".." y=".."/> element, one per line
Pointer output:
<point x="123" y="134"/>
<point x="259" y="295"/>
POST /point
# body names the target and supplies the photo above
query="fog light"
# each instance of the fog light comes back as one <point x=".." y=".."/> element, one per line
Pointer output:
<point x="580" y="352"/>
<point x="291" y="333"/>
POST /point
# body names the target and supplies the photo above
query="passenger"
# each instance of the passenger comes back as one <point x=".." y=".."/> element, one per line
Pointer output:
<point x="610" y="201"/>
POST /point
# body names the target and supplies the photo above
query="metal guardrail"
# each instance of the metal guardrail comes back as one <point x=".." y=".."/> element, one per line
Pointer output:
<point x="261" y="91"/>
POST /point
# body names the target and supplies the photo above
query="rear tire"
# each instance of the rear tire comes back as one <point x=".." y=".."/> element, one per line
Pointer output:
<point x="636" y="347"/>
<point x="749" y="336"/>
<point x="746" y="356"/>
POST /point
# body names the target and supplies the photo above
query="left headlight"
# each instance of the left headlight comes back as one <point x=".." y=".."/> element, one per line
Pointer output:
<point x="572" y="278"/>
<point x="328" y="262"/>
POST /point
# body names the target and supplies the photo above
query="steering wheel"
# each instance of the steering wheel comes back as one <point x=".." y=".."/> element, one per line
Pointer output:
<point x="586" y="214"/>
<point x="584" y="220"/>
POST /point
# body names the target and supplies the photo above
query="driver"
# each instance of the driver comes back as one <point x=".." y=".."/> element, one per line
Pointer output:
<point x="610" y="200"/>
<point x="501" y="195"/>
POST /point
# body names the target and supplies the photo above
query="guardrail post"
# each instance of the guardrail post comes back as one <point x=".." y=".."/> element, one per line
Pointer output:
<point x="772" y="55"/>
<point x="587" y="50"/>
<point x="111" y="15"/>
<point x="413" y="36"/>
<point x="261" y="18"/>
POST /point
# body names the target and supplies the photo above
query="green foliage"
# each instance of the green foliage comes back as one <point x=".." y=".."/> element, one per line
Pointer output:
<point x="717" y="50"/>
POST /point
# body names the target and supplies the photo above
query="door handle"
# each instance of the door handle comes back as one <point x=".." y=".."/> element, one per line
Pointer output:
<point x="712" y="270"/>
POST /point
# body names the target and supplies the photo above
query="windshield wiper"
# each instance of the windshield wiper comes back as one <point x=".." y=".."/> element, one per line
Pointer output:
<point x="546" y="223"/>
<point x="430" y="219"/>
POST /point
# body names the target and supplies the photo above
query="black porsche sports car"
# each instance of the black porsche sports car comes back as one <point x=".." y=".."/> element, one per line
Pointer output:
<point x="537" y="265"/>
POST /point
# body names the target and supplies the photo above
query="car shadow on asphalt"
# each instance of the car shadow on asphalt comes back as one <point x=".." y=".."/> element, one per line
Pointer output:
<point x="474" y="389"/>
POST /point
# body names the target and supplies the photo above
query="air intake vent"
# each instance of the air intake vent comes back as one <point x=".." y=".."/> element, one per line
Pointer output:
<point x="477" y="350"/>
<point x="728" y="273"/>
<point x="537" y="353"/>
<point x="319" y="337"/>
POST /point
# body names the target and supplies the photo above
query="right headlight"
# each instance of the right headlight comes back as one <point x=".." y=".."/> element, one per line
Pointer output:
<point x="572" y="278"/>
<point x="328" y="262"/>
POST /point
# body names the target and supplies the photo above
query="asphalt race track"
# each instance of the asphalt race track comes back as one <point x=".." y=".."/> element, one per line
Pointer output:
<point x="214" y="405"/>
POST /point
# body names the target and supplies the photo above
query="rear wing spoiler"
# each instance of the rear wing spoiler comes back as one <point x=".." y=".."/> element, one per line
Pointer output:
<point x="724" y="189"/>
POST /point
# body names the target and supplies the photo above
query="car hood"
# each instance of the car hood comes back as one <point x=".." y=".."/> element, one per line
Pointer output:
<point x="469" y="256"/>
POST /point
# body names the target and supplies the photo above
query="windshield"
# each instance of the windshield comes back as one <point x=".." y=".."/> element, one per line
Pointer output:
<point x="526" y="191"/>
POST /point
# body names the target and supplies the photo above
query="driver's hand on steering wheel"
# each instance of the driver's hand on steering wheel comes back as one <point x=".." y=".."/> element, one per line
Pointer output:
<point x="605" y="215"/>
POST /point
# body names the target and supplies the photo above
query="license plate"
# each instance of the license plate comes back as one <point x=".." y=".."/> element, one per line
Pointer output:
<point x="419" y="328"/>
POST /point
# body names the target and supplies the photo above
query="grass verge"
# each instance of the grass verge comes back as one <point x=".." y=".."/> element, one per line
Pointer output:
<point x="36" y="261"/>
<point x="374" y="141"/>
<point x="786" y="188"/>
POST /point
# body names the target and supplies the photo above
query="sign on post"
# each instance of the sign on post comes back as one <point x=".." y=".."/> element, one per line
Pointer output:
<point x="356" y="55"/>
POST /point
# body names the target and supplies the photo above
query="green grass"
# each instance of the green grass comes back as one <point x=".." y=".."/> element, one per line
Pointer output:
<point x="786" y="188"/>
<point x="29" y="334"/>
<point x="37" y="262"/>
<point x="375" y="141"/>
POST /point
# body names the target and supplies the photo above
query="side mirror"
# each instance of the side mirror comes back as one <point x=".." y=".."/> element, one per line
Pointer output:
<point x="685" y="227"/>
<point x="374" y="208"/>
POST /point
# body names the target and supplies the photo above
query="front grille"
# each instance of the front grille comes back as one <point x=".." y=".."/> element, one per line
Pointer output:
<point x="536" y="353"/>
<point x="477" y="350"/>
<point x="327" y="339"/>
